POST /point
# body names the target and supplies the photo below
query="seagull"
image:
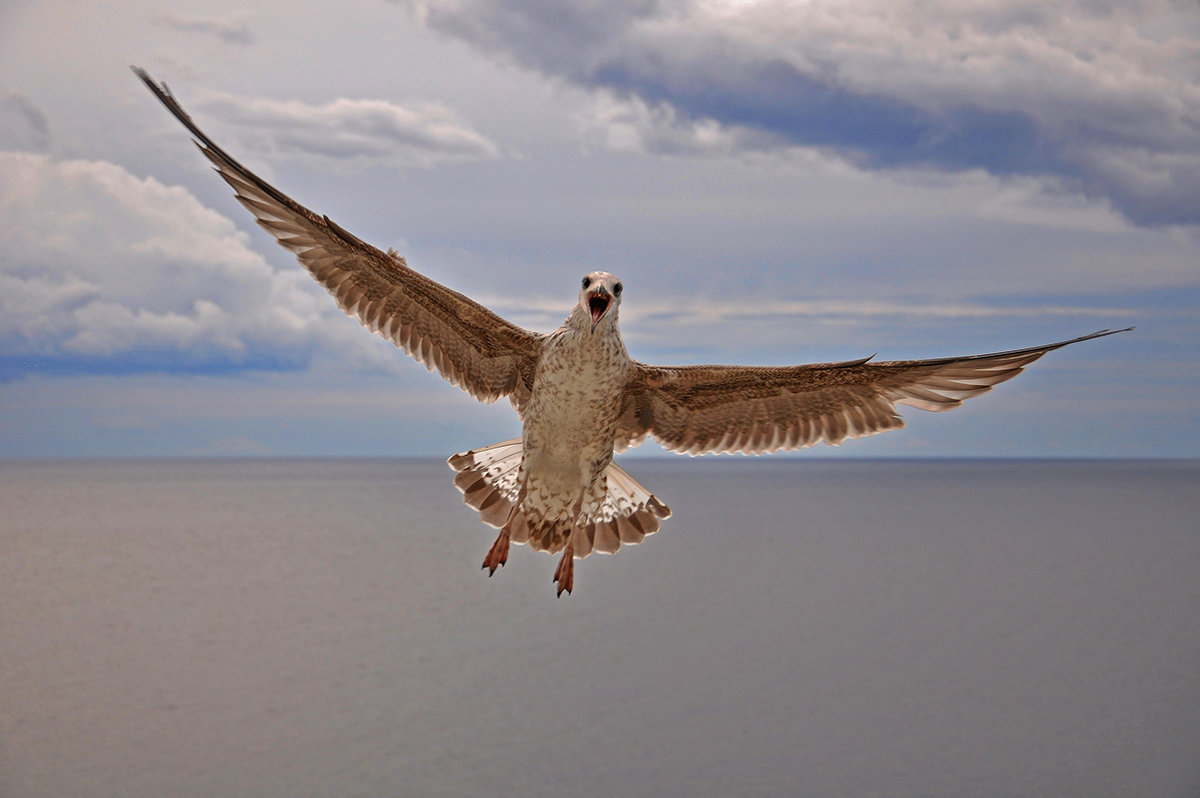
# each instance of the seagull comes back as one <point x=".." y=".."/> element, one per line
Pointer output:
<point x="580" y="396"/>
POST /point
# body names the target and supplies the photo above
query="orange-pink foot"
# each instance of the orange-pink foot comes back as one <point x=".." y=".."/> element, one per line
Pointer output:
<point x="564" y="575"/>
<point x="498" y="555"/>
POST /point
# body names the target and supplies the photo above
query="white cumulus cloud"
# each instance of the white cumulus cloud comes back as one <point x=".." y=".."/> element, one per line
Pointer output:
<point x="353" y="131"/>
<point x="96" y="263"/>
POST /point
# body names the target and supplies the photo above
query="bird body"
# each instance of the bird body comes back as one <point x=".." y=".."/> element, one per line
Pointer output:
<point x="579" y="394"/>
<point x="570" y="421"/>
<point x="570" y="425"/>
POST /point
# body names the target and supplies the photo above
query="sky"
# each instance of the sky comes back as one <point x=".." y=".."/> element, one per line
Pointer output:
<point x="774" y="182"/>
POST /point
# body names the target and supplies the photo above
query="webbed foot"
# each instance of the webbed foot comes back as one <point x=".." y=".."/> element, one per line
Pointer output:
<point x="564" y="575"/>
<point x="498" y="555"/>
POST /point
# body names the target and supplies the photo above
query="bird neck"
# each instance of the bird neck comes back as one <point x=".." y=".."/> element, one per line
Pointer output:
<point x="578" y="328"/>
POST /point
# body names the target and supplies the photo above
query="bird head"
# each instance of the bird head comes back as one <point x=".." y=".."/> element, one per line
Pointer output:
<point x="600" y="297"/>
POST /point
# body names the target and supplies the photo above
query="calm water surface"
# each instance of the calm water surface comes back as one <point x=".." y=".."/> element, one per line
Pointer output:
<point x="808" y="628"/>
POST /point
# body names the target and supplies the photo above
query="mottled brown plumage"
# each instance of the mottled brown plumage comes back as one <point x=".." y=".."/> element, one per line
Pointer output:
<point x="579" y="394"/>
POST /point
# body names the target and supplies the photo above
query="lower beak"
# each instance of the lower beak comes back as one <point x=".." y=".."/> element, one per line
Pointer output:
<point x="598" y="303"/>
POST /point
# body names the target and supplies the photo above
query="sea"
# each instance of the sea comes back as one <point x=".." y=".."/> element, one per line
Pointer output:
<point x="799" y="627"/>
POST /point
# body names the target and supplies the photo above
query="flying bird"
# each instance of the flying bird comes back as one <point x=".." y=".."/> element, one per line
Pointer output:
<point x="579" y="394"/>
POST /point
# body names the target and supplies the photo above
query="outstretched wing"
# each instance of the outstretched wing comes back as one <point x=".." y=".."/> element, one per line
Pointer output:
<point x="755" y="410"/>
<point x="468" y="344"/>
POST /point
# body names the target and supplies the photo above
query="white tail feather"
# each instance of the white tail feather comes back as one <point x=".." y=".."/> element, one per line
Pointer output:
<point x="489" y="479"/>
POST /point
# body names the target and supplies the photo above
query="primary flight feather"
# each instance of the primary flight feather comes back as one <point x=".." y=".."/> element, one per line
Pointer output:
<point x="578" y="393"/>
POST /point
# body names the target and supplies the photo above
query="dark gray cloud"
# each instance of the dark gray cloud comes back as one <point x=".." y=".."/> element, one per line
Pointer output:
<point x="231" y="29"/>
<point x="1098" y="97"/>
<point x="23" y="126"/>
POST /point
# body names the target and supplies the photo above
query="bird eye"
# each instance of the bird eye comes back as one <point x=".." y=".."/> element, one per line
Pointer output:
<point x="587" y="281"/>
<point x="617" y="289"/>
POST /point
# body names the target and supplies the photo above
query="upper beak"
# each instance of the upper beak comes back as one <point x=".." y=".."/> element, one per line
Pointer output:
<point x="598" y="301"/>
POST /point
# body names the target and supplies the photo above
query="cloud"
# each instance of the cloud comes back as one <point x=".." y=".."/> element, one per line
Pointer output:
<point x="23" y="126"/>
<point x="1100" y="97"/>
<point x="354" y="132"/>
<point x="633" y="125"/>
<point x="101" y="270"/>
<point x="230" y="29"/>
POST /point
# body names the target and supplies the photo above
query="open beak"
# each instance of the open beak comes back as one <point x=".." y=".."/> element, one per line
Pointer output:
<point x="598" y="302"/>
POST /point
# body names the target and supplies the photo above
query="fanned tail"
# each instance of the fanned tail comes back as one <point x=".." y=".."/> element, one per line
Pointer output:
<point x="627" y="515"/>
<point x="489" y="478"/>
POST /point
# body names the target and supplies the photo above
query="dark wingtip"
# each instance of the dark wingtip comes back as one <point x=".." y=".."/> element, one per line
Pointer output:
<point x="160" y="89"/>
<point x="168" y="100"/>
<point x="1097" y="334"/>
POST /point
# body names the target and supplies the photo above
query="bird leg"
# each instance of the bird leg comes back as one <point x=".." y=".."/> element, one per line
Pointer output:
<point x="564" y="575"/>
<point x="498" y="554"/>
